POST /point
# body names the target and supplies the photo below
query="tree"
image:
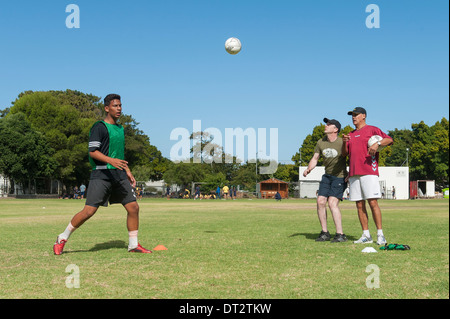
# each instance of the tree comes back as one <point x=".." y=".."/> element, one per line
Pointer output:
<point x="63" y="129"/>
<point x="287" y="173"/>
<point x="246" y="176"/>
<point x="211" y="181"/>
<point x="24" y="154"/>
<point x="429" y="152"/>
<point x="396" y="154"/>
<point x="183" y="174"/>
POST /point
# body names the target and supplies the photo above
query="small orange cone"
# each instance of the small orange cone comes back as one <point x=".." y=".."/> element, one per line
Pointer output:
<point x="160" y="247"/>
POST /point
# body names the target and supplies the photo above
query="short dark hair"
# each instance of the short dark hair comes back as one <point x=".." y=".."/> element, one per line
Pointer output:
<point x="111" y="97"/>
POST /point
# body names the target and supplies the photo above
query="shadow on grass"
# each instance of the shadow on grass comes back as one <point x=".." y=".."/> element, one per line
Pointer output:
<point x="313" y="236"/>
<point x="109" y="245"/>
<point x="113" y="244"/>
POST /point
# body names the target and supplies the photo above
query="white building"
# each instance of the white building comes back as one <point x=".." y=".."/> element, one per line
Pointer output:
<point x="3" y="186"/>
<point x="390" y="176"/>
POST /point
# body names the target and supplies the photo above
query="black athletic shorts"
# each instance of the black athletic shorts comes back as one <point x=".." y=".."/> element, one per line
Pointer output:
<point x="100" y="192"/>
<point x="332" y="186"/>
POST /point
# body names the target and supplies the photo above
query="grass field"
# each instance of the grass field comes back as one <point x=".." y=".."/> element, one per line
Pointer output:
<point x="244" y="249"/>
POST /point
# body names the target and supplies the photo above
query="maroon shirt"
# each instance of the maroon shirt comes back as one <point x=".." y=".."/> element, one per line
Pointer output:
<point x="361" y="162"/>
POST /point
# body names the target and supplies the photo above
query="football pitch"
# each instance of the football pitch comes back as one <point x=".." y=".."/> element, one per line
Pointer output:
<point x="216" y="249"/>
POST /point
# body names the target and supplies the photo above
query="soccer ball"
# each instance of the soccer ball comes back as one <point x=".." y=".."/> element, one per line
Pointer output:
<point x="233" y="45"/>
<point x="373" y="139"/>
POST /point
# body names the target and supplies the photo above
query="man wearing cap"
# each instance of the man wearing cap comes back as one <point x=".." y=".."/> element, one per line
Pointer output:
<point x="333" y="183"/>
<point x="363" y="175"/>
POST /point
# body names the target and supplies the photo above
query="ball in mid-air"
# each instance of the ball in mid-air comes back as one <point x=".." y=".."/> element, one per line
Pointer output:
<point x="233" y="45"/>
<point x="374" y="139"/>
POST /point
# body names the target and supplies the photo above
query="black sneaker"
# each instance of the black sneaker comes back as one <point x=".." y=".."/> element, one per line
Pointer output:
<point x="324" y="236"/>
<point x="339" y="238"/>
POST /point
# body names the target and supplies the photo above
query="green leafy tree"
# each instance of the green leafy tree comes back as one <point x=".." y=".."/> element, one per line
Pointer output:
<point x="24" y="153"/>
<point x="211" y="181"/>
<point x="287" y="173"/>
<point x="397" y="153"/>
<point x="430" y="152"/>
<point x="246" y="177"/>
<point x="183" y="174"/>
<point x="63" y="129"/>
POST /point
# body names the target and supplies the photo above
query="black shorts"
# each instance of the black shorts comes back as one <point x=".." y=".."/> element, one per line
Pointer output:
<point x="100" y="192"/>
<point x="332" y="186"/>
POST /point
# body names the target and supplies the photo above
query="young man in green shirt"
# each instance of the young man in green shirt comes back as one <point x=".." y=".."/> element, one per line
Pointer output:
<point x="111" y="179"/>
<point x="332" y="185"/>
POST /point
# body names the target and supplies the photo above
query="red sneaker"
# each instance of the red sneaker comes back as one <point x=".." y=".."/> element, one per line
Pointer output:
<point x="59" y="246"/>
<point x="140" y="249"/>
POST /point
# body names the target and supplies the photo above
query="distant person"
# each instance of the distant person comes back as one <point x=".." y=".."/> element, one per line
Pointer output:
<point x="393" y="193"/>
<point x="168" y="192"/>
<point x="225" y="191"/>
<point x="111" y="179"/>
<point x="82" y="190"/>
<point x="364" y="181"/>
<point x="140" y="192"/>
<point x="218" y="192"/>
<point x="197" y="192"/>
<point x="278" y="196"/>
<point x="76" y="193"/>
<point x="332" y="185"/>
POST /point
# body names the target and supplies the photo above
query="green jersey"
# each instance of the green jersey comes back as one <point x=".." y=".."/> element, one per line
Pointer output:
<point x="109" y="139"/>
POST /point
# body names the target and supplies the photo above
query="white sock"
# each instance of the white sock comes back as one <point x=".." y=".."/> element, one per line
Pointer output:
<point x="366" y="233"/>
<point x="132" y="239"/>
<point x="380" y="232"/>
<point x="66" y="234"/>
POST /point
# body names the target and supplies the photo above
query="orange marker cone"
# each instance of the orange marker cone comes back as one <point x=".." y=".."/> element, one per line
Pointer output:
<point x="160" y="247"/>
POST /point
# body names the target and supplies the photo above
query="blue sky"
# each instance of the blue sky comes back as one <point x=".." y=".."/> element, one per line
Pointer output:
<point x="301" y="61"/>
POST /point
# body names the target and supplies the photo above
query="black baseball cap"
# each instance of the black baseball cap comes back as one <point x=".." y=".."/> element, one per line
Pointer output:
<point x="357" y="110"/>
<point x="334" y="122"/>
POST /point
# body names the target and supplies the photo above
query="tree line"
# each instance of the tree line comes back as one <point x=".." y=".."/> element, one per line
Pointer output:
<point x="44" y="135"/>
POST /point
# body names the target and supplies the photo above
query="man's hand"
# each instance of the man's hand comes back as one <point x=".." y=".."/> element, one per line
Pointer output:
<point x="306" y="172"/>
<point x="131" y="178"/>
<point x="373" y="149"/>
<point x="346" y="138"/>
<point x="118" y="163"/>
